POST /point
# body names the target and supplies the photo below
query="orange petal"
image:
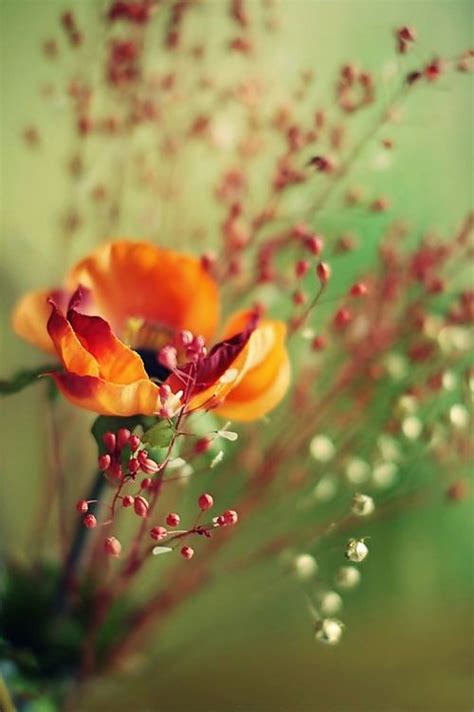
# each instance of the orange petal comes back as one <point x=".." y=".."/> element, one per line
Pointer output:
<point x="117" y="363"/>
<point x="266" y="377"/>
<point x="261" y="373"/>
<point x="139" y="279"/>
<point x="72" y="353"/>
<point x="99" y="396"/>
<point x="30" y="317"/>
<point x="261" y="404"/>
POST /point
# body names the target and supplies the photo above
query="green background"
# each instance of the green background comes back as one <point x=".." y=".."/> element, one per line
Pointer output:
<point x="246" y="643"/>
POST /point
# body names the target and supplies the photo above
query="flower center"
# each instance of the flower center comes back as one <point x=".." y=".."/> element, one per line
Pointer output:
<point x="147" y="338"/>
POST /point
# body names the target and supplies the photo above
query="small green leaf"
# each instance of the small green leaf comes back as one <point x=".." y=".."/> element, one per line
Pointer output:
<point x="24" y="378"/>
<point x="112" y="423"/>
<point x="159" y="435"/>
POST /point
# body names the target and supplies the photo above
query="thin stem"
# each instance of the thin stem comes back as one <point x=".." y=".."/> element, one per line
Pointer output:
<point x="79" y="540"/>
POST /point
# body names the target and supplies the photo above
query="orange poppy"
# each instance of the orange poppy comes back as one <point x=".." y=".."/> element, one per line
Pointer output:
<point x="148" y="296"/>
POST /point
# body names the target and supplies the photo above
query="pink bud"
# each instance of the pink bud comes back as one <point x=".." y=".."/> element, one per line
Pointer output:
<point x="133" y="466"/>
<point x="168" y="357"/>
<point x="173" y="519"/>
<point x="158" y="533"/>
<point x="208" y="260"/>
<point x="230" y="516"/>
<point x="123" y="436"/>
<point x="187" y="552"/>
<point x="299" y="297"/>
<point x="184" y="339"/>
<point x="342" y="318"/>
<point x="205" y="502"/>
<point x="149" y="466"/>
<point x="301" y="268"/>
<point x="104" y="462"/>
<point x="141" y="507"/>
<point x="109" y="441"/>
<point x="165" y="392"/>
<point x="82" y="506"/>
<point x="318" y="343"/>
<point x="314" y="244"/>
<point x="128" y="501"/>
<point x="145" y="484"/>
<point x="134" y="442"/>
<point x="202" y="445"/>
<point x="90" y="521"/>
<point x="324" y="272"/>
<point x="112" y="546"/>
<point x="359" y="289"/>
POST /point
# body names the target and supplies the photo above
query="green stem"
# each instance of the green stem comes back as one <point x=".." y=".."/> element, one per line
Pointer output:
<point x="6" y="704"/>
<point x="78" y="543"/>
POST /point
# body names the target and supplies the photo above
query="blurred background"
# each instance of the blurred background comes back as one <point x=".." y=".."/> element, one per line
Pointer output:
<point x="246" y="643"/>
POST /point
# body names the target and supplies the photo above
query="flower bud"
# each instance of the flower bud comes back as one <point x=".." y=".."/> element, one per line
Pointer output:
<point x="168" y="357"/>
<point x="347" y="577"/>
<point x="356" y="550"/>
<point x="141" y="507"/>
<point x="230" y="517"/>
<point x="362" y="505"/>
<point x="104" y="462"/>
<point x="158" y="533"/>
<point x="205" y="502"/>
<point x="128" y="501"/>
<point x="305" y="566"/>
<point x="123" y="436"/>
<point x="148" y="466"/>
<point x="134" y="442"/>
<point x="173" y="519"/>
<point x="82" y="506"/>
<point x="187" y="552"/>
<point x="109" y="441"/>
<point x="90" y="521"/>
<point x="112" y="546"/>
<point x="328" y="631"/>
<point x="323" y="271"/>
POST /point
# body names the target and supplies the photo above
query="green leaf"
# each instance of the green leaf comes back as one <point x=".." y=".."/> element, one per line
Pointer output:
<point x="159" y="435"/>
<point x="24" y="378"/>
<point x="112" y="423"/>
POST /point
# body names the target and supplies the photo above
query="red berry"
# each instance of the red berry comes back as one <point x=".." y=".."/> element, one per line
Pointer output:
<point x="205" y="502"/>
<point x="123" y="436"/>
<point x="134" y="442"/>
<point x="173" y="519"/>
<point x="109" y="441"/>
<point x="323" y="271"/>
<point x="230" y="516"/>
<point x="82" y="506"/>
<point x="112" y="546"/>
<point x="128" y="501"/>
<point x="359" y="289"/>
<point x="158" y="533"/>
<point x="90" y="521"/>
<point x="202" y="445"/>
<point x="342" y="318"/>
<point x="187" y="552"/>
<point x="104" y="462"/>
<point x="141" y="507"/>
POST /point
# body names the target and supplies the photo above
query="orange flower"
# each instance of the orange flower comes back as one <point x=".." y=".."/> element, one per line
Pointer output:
<point x="148" y="296"/>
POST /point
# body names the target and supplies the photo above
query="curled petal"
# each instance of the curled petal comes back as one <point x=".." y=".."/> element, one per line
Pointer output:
<point x="256" y="380"/>
<point x="30" y="317"/>
<point x="72" y="353"/>
<point x="260" y="404"/>
<point x="139" y="279"/>
<point x="266" y="376"/>
<point x="105" y="398"/>
<point x="117" y="363"/>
